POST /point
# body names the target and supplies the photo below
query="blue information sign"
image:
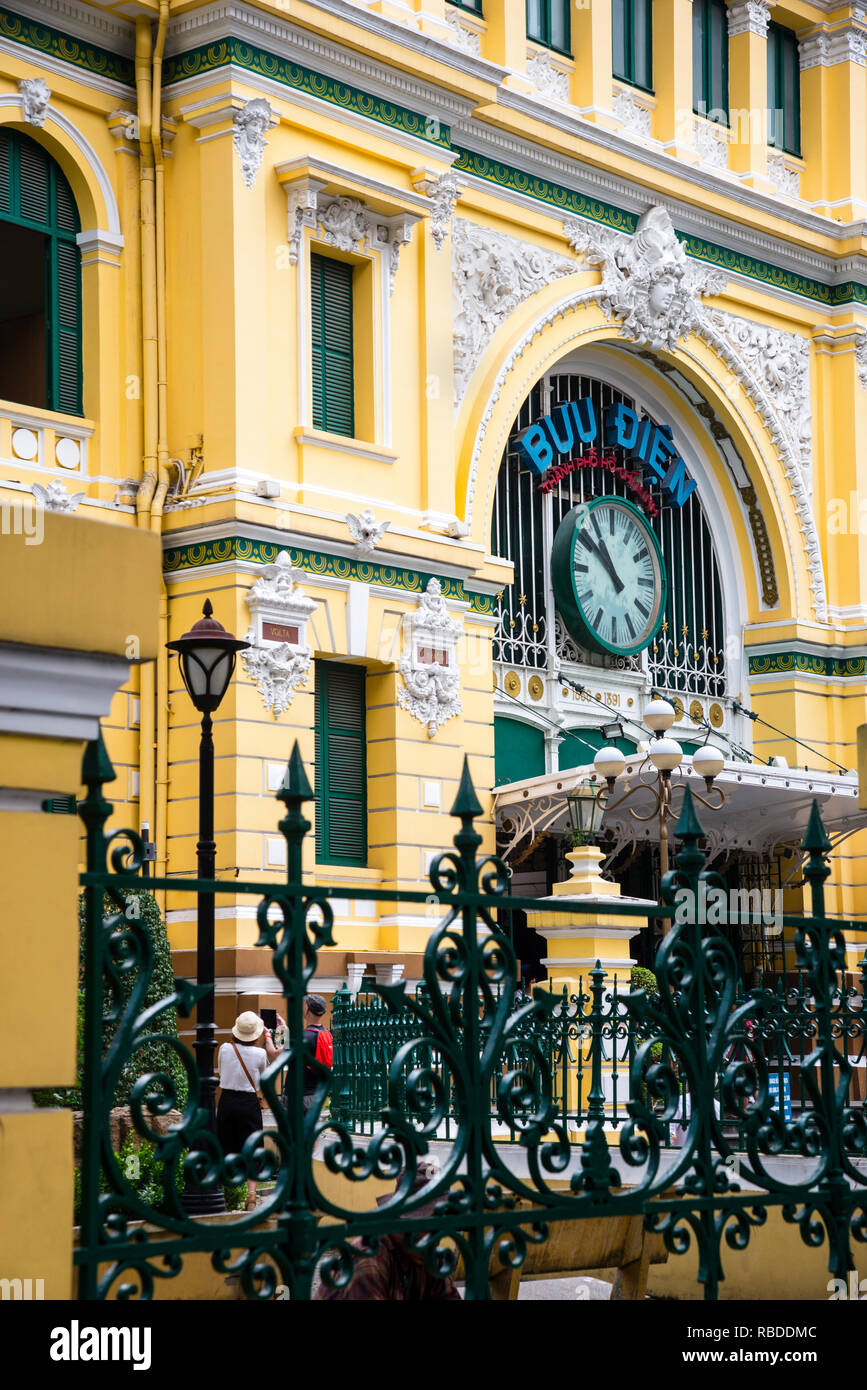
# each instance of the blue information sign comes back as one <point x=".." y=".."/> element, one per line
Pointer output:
<point x="774" y="1089"/>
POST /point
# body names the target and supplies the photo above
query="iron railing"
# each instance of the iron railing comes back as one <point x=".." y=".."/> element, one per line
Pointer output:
<point x="488" y="1208"/>
<point x="367" y="1038"/>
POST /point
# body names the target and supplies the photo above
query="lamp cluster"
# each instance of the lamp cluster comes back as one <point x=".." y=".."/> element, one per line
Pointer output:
<point x="664" y="753"/>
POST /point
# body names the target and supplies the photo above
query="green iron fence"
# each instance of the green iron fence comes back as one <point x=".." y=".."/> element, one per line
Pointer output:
<point x="487" y="1212"/>
<point x="367" y="1036"/>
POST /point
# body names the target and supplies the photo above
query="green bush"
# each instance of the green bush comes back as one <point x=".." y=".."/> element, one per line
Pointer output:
<point x="157" y="1057"/>
<point x="143" y="1171"/>
<point x="640" y="978"/>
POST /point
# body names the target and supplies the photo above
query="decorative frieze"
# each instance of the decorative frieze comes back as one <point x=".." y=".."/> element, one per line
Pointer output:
<point x="492" y="275"/>
<point x="861" y="358"/>
<point x="648" y="280"/>
<point x="431" y="679"/>
<point x="346" y="223"/>
<point x="278" y="658"/>
<point x="35" y="95"/>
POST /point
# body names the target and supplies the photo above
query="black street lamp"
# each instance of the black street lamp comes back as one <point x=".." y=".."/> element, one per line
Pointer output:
<point x="206" y="656"/>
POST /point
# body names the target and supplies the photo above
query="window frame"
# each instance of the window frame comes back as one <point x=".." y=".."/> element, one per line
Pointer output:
<point x="629" y="48"/>
<point x="545" y="12"/>
<point x="60" y="242"/>
<point x="323" y="669"/>
<point x="471" y="6"/>
<point x="705" y="8"/>
<point x="783" y="42"/>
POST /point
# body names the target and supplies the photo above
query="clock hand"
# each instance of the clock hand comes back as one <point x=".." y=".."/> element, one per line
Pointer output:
<point x="601" y="549"/>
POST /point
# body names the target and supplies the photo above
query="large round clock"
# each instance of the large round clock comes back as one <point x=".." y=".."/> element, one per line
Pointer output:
<point x="608" y="576"/>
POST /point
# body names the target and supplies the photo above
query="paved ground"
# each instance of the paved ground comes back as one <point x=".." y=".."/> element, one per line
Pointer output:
<point x="583" y="1289"/>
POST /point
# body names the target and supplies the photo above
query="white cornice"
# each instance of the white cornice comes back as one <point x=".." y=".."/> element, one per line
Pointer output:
<point x="287" y="40"/>
<point x="58" y="694"/>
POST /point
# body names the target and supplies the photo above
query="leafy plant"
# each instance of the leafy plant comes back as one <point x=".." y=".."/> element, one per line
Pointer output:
<point x="142" y="907"/>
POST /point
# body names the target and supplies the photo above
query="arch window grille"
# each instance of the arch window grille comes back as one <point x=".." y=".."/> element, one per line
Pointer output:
<point x="40" y="295"/>
<point x="688" y="655"/>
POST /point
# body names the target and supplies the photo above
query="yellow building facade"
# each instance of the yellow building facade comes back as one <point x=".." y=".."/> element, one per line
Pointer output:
<point x="293" y="279"/>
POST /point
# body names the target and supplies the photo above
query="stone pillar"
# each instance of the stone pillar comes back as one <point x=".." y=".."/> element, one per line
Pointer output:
<point x="748" y="92"/>
<point x="576" y="942"/>
<point x="834" y="139"/>
<point x="591" y="45"/>
<point x="672" y="80"/>
<point x="505" y="42"/>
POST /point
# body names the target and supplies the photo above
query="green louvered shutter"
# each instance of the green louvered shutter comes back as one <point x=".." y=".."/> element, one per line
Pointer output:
<point x="332" y="347"/>
<point x="34" y="194"/>
<point x="341" y="764"/>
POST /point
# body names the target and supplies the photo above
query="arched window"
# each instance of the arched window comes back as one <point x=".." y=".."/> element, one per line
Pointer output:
<point x="688" y="656"/>
<point x="40" y="288"/>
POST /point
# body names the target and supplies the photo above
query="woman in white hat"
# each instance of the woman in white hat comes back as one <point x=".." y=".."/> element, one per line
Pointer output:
<point x="241" y="1062"/>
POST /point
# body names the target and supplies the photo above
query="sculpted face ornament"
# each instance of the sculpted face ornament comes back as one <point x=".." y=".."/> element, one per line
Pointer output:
<point x="248" y="136"/>
<point x="648" y="280"/>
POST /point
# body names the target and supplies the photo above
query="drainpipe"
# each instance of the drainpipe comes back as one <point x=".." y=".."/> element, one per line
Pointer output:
<point x="147" y="686"/>
<point x="158" y="500"/>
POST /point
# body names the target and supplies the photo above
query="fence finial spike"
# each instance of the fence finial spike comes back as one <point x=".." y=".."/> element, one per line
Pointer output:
<point x="466" y="804"/>
<point x="688" y="825"/>
<point x="96" y="765"/>
<point x="296" y="784"/>
<point x="815" y="839"/>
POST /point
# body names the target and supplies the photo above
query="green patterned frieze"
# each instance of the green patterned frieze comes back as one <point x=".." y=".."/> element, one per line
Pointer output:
<point x="257" y="552"/>
<point x="66" y="47"/>
<point x="301" y="79"/>
<point x="808" y="663"/>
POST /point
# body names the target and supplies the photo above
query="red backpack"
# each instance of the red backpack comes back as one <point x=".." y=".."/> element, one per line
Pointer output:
<point x="325" y="1048"/>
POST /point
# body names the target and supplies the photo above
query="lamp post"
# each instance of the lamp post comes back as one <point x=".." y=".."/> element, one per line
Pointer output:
<point x="206" y="656"/>
<point x="665" y="756"/>
<point x="585" y="812"/>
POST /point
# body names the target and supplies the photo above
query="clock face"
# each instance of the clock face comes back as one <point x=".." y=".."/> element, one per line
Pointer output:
<point x="608" y="576"/>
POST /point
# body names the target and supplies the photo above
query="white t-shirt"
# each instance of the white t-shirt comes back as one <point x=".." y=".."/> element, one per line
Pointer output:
<point x="232" y="1076"/>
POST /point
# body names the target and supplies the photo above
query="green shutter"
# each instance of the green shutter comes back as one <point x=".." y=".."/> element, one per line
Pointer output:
<point x="332" y="345"/>
<point x="340" y="750"/>
<point x="710" y="59"/>
<point x="34" y="194"/>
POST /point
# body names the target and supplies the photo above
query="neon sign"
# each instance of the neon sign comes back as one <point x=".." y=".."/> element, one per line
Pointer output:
<point x="575" y="422"/>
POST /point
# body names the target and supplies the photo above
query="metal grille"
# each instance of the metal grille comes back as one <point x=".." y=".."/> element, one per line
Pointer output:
<point x="688" y="656"/>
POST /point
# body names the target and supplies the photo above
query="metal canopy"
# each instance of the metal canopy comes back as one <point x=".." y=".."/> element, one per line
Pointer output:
<point x="765" y="806"/>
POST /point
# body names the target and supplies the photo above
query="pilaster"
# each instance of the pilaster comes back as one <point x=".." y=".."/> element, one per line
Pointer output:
<point x="672" y="79"/>
<point x="748" y="92"/>
<point x="592" y="78"/>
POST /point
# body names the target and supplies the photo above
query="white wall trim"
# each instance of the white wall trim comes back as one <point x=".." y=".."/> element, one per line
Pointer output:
<point x="56" y="693"/>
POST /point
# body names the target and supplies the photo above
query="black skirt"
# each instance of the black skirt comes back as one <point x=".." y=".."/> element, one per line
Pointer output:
<point x="239" y="1115"/>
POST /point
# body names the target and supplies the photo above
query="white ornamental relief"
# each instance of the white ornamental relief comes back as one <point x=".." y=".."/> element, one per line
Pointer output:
<point x="647" y="279"/>
<point x="248" y="136"/>
<point x="431" y="682"/>
<point x="444" y="193"/>
<point x="55" y="498"/>
<point x="711" y="143"/>
<point x="634" y="115"/>
<point x="366" y="531"/>
<point x="462" y="36"/>
<point x="785" y="179"/>
<point x="861" y="358"/>
<point x="35" y="95"/>
<point x="344" y="224"/>
<point x="492" y="275"/>
<point x="277" y="603"/>
<point x="780" y="362"/>
<point x="549" y="80"/>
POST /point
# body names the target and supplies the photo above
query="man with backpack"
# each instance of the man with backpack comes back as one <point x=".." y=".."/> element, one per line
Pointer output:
<point x="318" y="1042"/>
